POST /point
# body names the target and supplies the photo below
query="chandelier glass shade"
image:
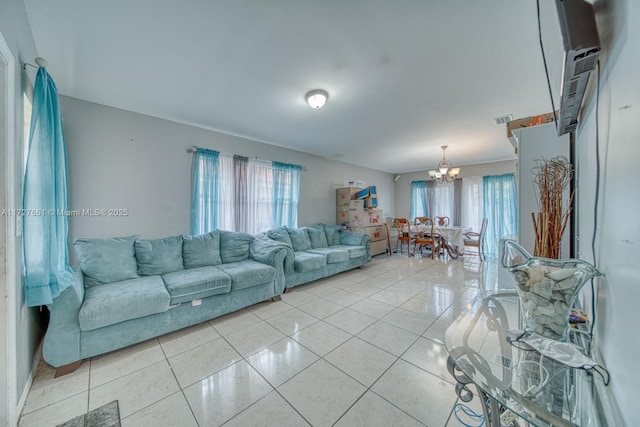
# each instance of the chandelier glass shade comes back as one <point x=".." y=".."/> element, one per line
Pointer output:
<point x="445" y="171"/>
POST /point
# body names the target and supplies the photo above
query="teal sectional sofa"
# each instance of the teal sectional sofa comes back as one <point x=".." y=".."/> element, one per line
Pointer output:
<point x="128" y="290"/>
<point x="319" y="251"/>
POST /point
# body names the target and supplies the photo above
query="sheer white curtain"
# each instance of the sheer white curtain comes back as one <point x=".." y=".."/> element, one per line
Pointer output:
<point x="444" y="201"/>
<point x="226" y="195"/>
<point x="259" y="196"/>
<point x="472" y="203"/>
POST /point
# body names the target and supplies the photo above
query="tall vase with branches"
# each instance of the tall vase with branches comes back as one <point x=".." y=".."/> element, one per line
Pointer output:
<point x="552" y="177"/>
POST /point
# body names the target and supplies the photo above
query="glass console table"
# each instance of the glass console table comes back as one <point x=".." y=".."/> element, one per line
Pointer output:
<point x="538" y="390"/>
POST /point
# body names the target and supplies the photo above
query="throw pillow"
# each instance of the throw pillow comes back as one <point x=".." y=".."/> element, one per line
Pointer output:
<point x="202" y="250"/>
<point x="234" y="246"/>
<point x="281" y="235"/>
<point x="106" y="260"/>
<point x="299" y="238"/>
<point x="317" y="238"/>
<point x="333" y="234"/>
<point x="159" y="256"/>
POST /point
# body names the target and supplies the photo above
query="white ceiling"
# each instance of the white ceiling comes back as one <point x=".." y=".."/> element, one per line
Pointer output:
<point x="404" y="77"/>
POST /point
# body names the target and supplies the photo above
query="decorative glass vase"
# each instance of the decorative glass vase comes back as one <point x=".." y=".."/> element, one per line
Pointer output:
<point x="547" y="288"/>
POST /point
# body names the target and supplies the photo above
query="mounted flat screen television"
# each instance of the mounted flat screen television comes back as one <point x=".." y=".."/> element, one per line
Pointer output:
<point x="571" y="46"/>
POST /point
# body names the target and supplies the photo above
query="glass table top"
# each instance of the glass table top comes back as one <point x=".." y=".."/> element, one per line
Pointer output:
<point x="538" y="389"/>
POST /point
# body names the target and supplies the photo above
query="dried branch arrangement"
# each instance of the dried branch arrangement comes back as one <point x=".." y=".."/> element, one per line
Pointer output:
<point x="551" y="176"/>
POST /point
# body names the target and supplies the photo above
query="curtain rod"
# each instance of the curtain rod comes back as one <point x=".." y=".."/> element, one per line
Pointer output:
<point x="41" y="63"/>
<point x="194" y="148"/>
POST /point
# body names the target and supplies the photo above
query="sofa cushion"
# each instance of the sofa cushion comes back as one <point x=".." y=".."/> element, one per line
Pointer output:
<point x="106" y="260"/>
<point x="334" y="255"/>
<point x="307" y="261"/>
<point x="234" y="246"/>
<point x="245" y="274"/>
<point x="317" y="238"/>
<point x="332" y="232"/>
<point x="202" y="250"/>
<point x="281" y="235"/>
<point x="299" y="239"/>
<point x="354" y="251"/>
<point x="116" y="302"/>
<point x="159" y="256"/>
<point x="195" y="283"/>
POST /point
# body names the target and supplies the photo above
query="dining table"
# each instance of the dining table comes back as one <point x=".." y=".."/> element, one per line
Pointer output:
<point x="451" y="237"/>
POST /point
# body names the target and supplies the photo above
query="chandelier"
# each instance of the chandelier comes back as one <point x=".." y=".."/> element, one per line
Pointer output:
<point x="444" y="173"/>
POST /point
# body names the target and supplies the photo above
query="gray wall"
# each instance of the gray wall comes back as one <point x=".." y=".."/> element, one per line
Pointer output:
<point x="403" y="185"/>
<point x="618" y="231"/>
<point x="119" y="159"/>
<point x="16" y="31"/>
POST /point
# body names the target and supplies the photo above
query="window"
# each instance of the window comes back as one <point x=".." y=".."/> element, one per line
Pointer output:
<point x="240" y="194"/>
<point x="430" y="199"/>
<point x="419" y="206"/>
<point x="500" y="208"/>
<point x="472" y="203"/>
<point x="443" y="201"/>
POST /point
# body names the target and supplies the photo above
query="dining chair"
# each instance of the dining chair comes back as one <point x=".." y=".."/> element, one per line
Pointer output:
<point x="442" y="221"/>
<point x="404" y="233"/>
<point x="425" y="236"/>
<point x="476" y="240"/>
<point x="422" y="220"/>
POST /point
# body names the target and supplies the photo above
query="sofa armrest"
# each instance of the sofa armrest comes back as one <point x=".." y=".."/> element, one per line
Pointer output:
<point x="356" y="239"/>
<point x="275" y="254"/>
<point x="290" y="257"/>
<point x="62" y="339"/>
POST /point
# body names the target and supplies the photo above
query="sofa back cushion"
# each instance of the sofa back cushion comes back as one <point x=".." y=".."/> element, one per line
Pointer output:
<point x="234" y="246"/>
<point x="299" y="238"/>
<point x="202" y="250"/>
<point x="281" y="235"/>
<point x="159" y="256"/>
<point x="317" y="238"/>
<point x="106" y="260"/>
<point x="332" y="232"/>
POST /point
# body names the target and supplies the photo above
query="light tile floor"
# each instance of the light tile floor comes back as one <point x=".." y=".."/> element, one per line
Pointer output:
<point x="362" y="348"/>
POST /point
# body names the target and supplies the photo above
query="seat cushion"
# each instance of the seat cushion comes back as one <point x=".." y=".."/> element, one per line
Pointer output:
<point x="245" y="274"/>
<point x="354" y="251"/>
<point x="334" y="255"/>
<point x="202" y="250"/>
<point x="299" y="239"/>
<point x="307" y="261"/>
<point x="234" y="246"/>
<point x="195" y="283"/>
<point x="106" y="260"/>
<point x="159" y="256"/>
<point x="116" y="302"/>
<point x="317" y="238"/>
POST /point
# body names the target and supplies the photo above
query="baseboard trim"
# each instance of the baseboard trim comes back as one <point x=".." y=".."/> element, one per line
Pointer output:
<point x="27" y="387"/>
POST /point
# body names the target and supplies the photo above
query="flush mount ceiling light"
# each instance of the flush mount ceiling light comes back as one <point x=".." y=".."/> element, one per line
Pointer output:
<point x="445" y="172"/>
<point x="317" y="98"/>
